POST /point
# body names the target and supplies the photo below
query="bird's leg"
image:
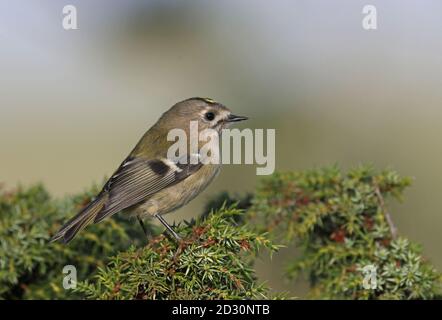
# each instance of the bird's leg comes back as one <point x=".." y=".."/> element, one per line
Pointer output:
<point x="168" y="227"/>
<point x="143" y="227"/>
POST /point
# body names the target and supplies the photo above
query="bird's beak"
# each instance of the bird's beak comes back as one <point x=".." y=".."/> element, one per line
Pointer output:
<point x="233" y="118"/>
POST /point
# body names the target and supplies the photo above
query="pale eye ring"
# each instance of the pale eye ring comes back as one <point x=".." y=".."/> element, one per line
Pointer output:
<point x="209" y="116"/>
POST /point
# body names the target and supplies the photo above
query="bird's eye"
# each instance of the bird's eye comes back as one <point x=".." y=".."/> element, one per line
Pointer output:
<point x="210" y="116"/>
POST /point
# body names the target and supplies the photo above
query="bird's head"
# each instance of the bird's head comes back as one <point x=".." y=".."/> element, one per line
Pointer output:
<point x="208" y="113"/>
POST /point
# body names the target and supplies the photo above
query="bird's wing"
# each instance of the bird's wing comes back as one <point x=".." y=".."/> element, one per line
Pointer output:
<point x="137" y="178"/>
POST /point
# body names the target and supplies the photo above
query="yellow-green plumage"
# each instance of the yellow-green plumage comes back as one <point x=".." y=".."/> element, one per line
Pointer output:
<point x="147" y="183"/>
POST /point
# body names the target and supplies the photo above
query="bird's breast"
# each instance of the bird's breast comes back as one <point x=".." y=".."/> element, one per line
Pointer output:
<point x="177" y="195"/>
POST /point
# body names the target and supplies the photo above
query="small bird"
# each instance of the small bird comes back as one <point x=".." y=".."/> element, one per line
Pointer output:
<point x="147" y="183"/>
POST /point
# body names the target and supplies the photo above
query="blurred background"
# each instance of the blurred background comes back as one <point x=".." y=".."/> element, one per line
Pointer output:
<point x="74" y="103"/>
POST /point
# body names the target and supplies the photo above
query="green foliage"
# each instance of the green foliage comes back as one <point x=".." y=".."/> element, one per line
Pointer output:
<point x="214" y="261"/>
<point x="341" y="224"/>
<point x="31" y="267"/>
<point x="225" y="199"/>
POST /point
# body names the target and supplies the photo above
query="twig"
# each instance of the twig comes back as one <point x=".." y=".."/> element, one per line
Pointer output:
<point x="387" y="214"/>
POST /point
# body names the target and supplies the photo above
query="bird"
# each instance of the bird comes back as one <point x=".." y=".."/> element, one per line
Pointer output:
<point x="148" y="183"/>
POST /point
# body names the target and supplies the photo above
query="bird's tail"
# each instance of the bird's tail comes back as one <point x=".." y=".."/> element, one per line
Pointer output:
<point x="81" y="220"/>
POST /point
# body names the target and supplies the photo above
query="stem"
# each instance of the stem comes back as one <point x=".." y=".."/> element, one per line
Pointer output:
<point x="393" y="229"/>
